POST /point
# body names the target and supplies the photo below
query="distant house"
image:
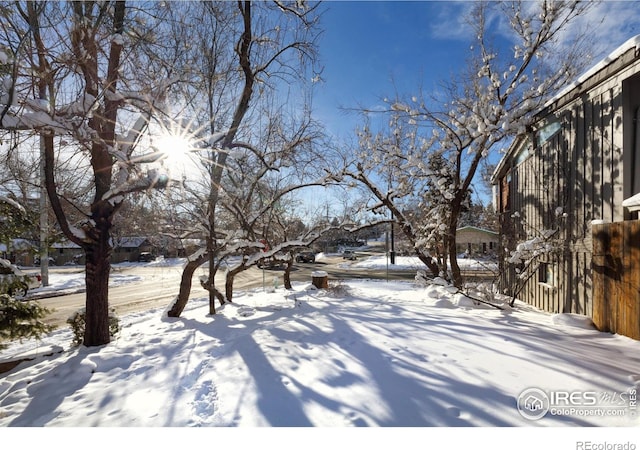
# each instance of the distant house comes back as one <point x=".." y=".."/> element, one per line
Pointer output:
<point x="129" y="248"/>
<point x="124" y="249"/>
<point x="578" y="165"/>
<point x="476" y="241"/>
<point x="66" y="252"/>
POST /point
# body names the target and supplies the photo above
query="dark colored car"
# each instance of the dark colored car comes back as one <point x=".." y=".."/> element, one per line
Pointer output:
<point x="306" y="257"/>
<point x="271" y="263"/>
<point x="146" y="257"/>
<point x="349" y="254"/>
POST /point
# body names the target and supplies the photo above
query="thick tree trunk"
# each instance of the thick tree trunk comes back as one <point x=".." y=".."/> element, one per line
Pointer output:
<point x="456" y="276"/>
<point x="97" y="271"/>
<point x="185" y="286"/>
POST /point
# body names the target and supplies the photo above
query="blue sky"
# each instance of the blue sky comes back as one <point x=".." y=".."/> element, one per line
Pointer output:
<point x="371" y="49"/>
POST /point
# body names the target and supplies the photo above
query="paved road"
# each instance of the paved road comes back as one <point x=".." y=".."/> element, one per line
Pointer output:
<point x="159" y="285"/>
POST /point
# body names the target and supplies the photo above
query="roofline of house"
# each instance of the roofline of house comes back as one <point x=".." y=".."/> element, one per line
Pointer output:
<point x="616" y="61"/>
<point x="500" y="168"/>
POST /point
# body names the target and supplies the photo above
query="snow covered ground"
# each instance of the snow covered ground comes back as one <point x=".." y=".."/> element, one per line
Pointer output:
<point x="360" y="354"/>
<point x="413" y="263"/>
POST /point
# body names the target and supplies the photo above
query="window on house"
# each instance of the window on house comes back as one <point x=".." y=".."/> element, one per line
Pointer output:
<point x="523" y="152"/>
<point x="548" y="131"/>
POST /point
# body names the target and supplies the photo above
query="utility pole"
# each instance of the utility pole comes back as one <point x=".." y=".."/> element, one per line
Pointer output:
<point x="392" y="253"/>
<point x="326" y="241"/>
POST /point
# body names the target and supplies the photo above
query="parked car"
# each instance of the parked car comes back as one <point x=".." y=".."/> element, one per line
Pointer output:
<point x="146" y="257"/>
<point x="15" y="282"/>
<point x="349" y="254"/>
<point x="306" y="257"/>
<point x="271" y="263"/>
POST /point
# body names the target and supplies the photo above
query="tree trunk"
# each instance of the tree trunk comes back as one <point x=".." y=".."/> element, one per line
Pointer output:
<point x="212" y="274"/>
<point x="287" y="273"/>
<point x="185" y="286"/>
<point x="218" y="295"/>
<point x="428" y="261"/>
<point x="228" y="287"/>
<point x="456" y="276"/>
<point x="97" y="271"/>
<point x="228" y="284"/>
<point x="211" y="288"/>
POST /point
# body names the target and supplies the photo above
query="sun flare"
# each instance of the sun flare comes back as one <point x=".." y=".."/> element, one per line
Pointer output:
<point x="177" y="151"/>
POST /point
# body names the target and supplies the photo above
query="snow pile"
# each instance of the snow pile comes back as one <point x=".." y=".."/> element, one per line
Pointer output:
<point x="573" y="320"/>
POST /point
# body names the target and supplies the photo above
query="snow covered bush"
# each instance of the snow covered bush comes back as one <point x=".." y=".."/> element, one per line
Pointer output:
<point x="338" y="290"/>
<point x="77" y="322"/>
<point x="19" y="320"/>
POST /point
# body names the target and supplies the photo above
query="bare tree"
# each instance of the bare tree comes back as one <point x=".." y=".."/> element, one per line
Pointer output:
<point x="88" y="77"/>
<point x="490" y="101"/>
<point x="271" y="41"/>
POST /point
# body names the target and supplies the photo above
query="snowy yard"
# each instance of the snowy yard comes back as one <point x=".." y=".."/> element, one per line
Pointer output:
<point x="413" y="263"/>
<point x="363" y="353"/>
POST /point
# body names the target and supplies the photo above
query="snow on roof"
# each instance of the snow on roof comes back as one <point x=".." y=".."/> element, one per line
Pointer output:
<point x="634" y="42"/>
<point x="130" y="242"/>
<point x="17" y="244"/>
<point x="65" y="244"/>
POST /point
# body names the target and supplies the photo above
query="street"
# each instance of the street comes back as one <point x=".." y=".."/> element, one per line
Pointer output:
<point x="157" y="285"/>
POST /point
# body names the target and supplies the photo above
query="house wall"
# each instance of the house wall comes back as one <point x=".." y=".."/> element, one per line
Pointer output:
<point x="477" y="240"/>
<point x="580" y="170"/>
<point x="66" y="255"/>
